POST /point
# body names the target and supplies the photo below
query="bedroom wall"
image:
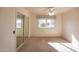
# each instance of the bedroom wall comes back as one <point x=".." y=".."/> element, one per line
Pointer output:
<point x="71" y="26"/>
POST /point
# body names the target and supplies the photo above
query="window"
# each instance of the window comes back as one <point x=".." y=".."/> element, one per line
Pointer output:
<point x="46" y="23"/>
<point x="18" y="23"/>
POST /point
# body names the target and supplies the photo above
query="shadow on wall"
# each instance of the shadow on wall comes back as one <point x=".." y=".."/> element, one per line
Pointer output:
<point x="66" y="47"/>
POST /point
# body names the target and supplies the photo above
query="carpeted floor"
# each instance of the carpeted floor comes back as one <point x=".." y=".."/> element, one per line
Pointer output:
<point x="41" y="45"/>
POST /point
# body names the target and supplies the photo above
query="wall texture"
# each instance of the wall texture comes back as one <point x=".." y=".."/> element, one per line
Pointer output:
<point x="71" y="25"/>
<point x="26" y="26"/>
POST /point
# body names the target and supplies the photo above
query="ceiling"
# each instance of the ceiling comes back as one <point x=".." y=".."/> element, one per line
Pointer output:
<point x="44" y="10"/>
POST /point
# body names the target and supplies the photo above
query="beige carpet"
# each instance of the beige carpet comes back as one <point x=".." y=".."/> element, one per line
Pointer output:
<point x="40" y="44"/>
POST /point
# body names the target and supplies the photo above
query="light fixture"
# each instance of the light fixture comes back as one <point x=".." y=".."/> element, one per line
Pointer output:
<point x="51" y="11"/>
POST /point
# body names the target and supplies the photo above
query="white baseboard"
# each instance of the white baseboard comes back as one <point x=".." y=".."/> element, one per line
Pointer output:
<point x="19" y="47"/>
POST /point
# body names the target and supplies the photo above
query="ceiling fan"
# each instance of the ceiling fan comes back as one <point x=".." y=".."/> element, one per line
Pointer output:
<point x="50" y="10"/>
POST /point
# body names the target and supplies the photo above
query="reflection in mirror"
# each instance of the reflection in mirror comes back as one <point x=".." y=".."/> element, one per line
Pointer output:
<point x="20" y="29"/>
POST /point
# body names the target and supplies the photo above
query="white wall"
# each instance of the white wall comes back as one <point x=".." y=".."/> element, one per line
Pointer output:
<point x="71" y="25"/>
<point x="26" y="26"/>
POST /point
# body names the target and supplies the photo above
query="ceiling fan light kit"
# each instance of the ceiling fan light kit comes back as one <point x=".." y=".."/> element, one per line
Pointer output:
<point x="51" y="11"/>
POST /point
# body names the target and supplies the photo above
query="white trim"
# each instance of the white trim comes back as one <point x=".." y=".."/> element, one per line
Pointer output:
<point x="19" y="46"/>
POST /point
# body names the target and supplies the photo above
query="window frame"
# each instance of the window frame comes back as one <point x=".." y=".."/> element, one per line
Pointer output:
<point x="52" y="19"/>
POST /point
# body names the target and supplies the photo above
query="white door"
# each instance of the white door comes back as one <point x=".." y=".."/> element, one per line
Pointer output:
<point x="7" y="26"/>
